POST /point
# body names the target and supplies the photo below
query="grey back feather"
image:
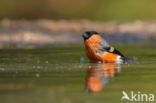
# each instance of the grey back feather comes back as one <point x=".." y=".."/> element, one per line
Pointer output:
<point x="103" y="43"/>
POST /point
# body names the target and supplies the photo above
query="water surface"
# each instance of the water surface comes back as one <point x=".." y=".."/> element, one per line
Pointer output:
<point x="56" y="75"/>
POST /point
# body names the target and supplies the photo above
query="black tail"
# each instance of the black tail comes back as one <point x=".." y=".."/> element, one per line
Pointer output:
<point x="126" y="60"/>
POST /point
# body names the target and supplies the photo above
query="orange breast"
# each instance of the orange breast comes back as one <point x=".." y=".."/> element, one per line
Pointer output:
<point x="92" y="43"/>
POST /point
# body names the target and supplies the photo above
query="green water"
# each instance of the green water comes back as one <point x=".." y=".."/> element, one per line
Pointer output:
<point x="56" y="75"/>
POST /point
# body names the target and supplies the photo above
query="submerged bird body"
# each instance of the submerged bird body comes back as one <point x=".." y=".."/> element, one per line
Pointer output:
<point x="98" y="50"/>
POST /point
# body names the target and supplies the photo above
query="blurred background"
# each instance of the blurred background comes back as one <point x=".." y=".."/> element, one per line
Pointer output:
<point x="97" y="10"/>
<point x="43" y="22"/>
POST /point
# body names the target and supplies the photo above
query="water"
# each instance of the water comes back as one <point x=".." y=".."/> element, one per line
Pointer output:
<point x="64" y="75"/>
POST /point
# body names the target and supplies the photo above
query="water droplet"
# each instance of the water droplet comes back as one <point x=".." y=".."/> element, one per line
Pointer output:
<point x="46" y="62"/>
<point x="82" y="59"/>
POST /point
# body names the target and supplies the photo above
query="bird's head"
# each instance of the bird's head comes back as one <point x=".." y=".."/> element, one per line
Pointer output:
<point x="86" y="35"/>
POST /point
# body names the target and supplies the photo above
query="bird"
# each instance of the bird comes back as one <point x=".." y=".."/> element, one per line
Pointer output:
<point x="99" y="50"/>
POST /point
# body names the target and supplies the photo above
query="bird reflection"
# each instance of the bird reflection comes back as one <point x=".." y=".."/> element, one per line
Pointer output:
<point x="99" y="74"/>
